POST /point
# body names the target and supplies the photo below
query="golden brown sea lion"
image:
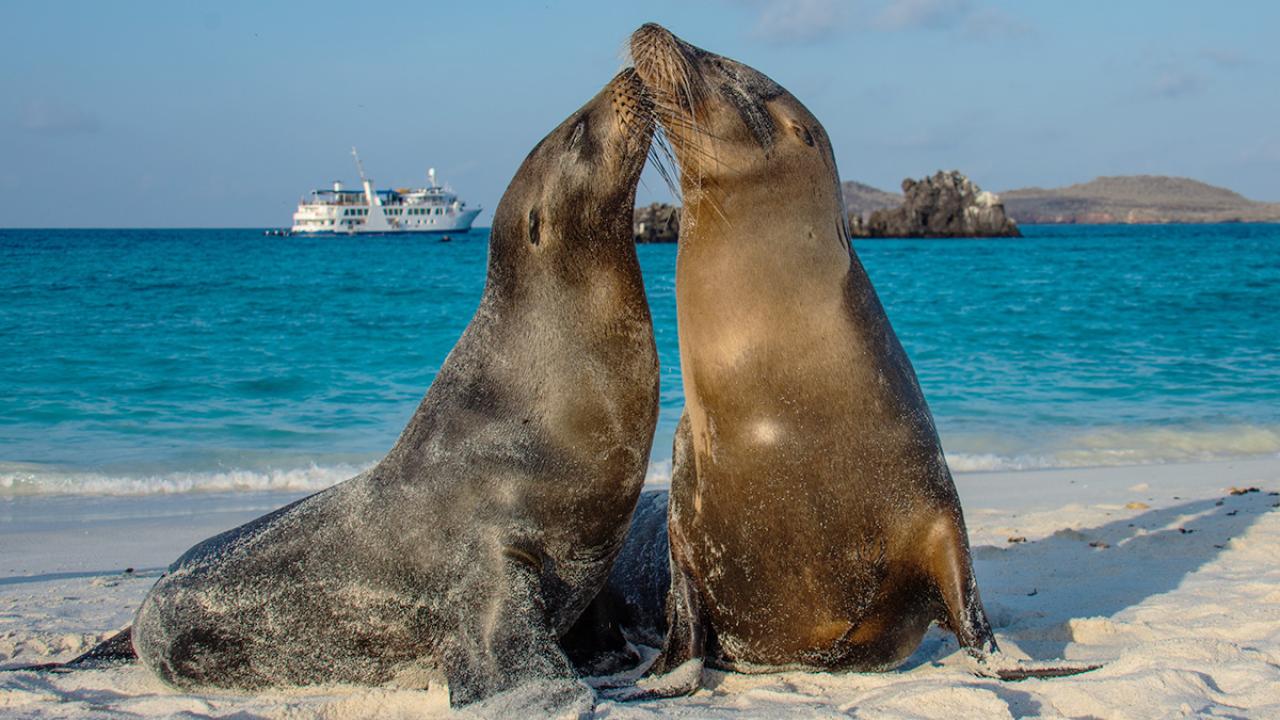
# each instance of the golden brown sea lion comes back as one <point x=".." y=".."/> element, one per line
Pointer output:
<point x="813" y="520"/>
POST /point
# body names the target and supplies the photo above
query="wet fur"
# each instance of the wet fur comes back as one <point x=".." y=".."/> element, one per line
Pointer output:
<point x="474" y="544"/>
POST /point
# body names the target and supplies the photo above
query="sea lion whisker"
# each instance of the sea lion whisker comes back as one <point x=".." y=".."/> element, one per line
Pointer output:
<point x="661" y="146"/>
<point x="697" y="154"/>
<point x="683" y="123"/>
<point x="660" y="165"/>
<point x="688" y="90"/>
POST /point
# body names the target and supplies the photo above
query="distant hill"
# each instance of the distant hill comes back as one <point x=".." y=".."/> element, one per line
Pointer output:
<point x="1136" y="199"/>
<point x="860" y="199"/>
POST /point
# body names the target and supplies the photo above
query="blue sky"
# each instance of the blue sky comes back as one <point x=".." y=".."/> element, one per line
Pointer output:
<point x="223" y="114"/>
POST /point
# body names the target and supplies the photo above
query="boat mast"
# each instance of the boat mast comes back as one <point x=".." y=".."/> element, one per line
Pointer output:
<point x="377" y="220"/>
<point x="369" y="194"/>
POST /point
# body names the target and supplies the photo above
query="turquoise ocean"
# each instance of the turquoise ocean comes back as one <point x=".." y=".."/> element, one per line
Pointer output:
<point x="150" y="361"/>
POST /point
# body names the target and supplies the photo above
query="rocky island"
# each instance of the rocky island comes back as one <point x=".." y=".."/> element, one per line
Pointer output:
<point x="951" y="205"/>
<point x="656" y="223"/>
<point x="947" y="205"/>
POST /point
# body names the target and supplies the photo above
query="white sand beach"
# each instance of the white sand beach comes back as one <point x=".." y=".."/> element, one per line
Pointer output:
<point x="1157" y="571"/>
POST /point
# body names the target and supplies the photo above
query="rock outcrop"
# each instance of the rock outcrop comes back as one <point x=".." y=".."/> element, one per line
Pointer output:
<point x="656" y="223"/>
<point x="947" y="205"/>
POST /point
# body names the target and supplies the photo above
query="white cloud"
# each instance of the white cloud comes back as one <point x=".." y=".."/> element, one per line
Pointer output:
<point x="800" y="21"/>
<point x="808" y="21"/>
<point x="988" y="23"/>
<point x="922" y="14"/>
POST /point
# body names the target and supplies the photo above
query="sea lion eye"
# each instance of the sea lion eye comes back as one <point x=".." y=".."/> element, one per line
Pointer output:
<point x="578" y="130"/>
<point x="534" y="236"/>
<point x="803" y="133"/>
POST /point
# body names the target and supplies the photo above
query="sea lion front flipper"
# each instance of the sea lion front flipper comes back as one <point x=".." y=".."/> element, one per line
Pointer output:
<point x="112" y="652"/>
<point x="686" y="631"/>
<point x="678" y="669"/>
<point x="595" y="643"/>
<point x="947" y="559"/>
<point x="115" y="650"/>
<point x="952" y="573"/>
<point x="508" y="663"/>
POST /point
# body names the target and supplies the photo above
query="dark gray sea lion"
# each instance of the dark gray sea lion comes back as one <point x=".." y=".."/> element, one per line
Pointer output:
<point x="481" y="536"/>
<point x="631" y="609"/>
<point x="813" y="521"/>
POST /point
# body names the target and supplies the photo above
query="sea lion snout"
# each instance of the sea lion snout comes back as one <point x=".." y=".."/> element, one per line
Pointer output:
<point x="649" y="44"/>
<point x="666" y="65"/>
<point x="632" y="107"/>
<point x="587" y="166"/>
<point x="612" y="130"/>
<point x="707" y="102"/>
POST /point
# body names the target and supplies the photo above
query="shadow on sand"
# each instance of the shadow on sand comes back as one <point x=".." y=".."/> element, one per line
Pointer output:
<point x="1032" y="591"/>
<point x="154" y="572"/>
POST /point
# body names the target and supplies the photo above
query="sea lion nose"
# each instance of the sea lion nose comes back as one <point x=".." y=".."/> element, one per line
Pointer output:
<point x="651" y="39"/>
<point x="651" y="28"/>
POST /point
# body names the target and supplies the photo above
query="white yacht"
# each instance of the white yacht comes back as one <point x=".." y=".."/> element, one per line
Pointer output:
<point x="431" y="209"/>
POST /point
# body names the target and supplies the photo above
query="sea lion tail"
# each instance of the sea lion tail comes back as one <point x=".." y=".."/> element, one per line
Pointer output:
<point x="114" y="651"/>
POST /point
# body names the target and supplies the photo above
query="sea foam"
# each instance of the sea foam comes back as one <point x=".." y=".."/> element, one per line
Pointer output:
<point x="1116" y="446"/>
<point x="1098" y="447"/>
<point x="25" y="480"/>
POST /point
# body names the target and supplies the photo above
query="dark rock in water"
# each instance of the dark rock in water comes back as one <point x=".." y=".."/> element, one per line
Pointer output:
<point x="947" y="205"/>
<point x="657" y="223"/>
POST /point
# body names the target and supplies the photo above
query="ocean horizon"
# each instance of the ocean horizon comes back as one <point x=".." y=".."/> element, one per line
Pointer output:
<point x="144" y="361"/>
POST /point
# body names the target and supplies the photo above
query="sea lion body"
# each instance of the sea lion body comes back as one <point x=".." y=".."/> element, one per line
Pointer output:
<point x="813" y="520"/>
<point x="475" y="543"/>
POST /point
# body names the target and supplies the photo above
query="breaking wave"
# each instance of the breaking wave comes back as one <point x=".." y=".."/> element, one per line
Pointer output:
<point x="1091" y="448"/>
<point x="24" y="480"/>
<point x="1101" y="447"/>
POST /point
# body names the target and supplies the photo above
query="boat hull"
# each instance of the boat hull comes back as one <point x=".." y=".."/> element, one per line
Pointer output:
<point x="461" y="223"/>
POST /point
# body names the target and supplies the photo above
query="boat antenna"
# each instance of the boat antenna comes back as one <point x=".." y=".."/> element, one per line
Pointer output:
<point x="359" y="165"/>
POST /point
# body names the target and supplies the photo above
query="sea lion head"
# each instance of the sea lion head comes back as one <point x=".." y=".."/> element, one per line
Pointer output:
<point x="576" y="188"/>
<point x="725" y="120"/>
